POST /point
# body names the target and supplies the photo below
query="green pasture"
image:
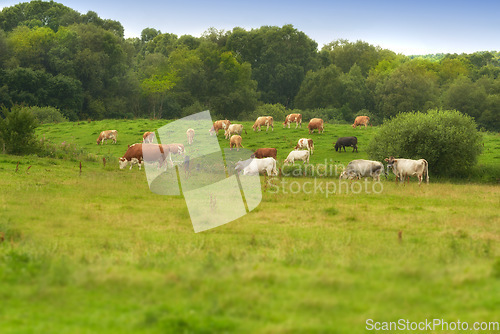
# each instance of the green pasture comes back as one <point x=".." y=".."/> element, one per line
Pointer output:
<point x="84" y="134"/>
<point x="95" y="251"/>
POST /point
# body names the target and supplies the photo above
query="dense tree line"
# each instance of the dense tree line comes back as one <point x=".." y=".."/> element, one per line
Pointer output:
<point x="51" y="55"/>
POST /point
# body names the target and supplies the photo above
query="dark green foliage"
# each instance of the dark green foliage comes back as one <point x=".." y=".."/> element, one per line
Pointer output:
<point x="51" y="55"/>
<point x="447" y="139"/>
<point x="17" y="130"/>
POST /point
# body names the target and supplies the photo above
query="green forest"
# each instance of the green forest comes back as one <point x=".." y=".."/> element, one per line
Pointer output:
<point x="81" y="64"/>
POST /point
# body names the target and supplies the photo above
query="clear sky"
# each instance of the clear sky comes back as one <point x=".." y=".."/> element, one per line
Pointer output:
<point x="408" y="27"/>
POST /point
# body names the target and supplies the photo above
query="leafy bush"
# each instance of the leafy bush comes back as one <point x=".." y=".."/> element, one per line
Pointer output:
<point x="17" y="130"/>
<point x="447" y="139"/>
<point x="46" y="115"/>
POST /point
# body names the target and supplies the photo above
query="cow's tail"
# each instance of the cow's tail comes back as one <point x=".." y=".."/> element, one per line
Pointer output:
<point x="426" y="171"/>
<point x="245" y="131"/>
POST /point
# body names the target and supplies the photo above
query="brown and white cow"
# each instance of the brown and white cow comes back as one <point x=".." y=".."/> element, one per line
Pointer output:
<point x="105" y="135"/>
<point x="234" y="129"/>
<point x="315" y="124"/>
<point x="148" y="137"/>
<point x="293" y="118"/>
<point x="190" y="136"/>
<point x="235" y="141"/>
<point x="219" y="125"/>
<point x="151" y="153"/>
<point x="132" y="156"/>
<point x="263" y="121"/>
<point x="404" y="168"/>
<point x="361" y="120"/>
<point x="266" y="152"/>
<point x="305" y="143"/>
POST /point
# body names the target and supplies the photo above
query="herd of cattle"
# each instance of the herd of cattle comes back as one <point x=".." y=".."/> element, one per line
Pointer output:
<point x="264" y="160"/>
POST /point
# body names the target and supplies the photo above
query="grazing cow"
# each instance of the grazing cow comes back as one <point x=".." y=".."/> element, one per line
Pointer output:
<point x="256" y="166"/>
<point x="235" y="141"/>
<point x="151" y="153"/>
<point x="190" y="136"/>
<point x="361" y="120"/>
<point x="305" y="143"/>
<point x="342" y="142"/>
<point x="404" y="168"/>
<point x="315" y="124"/>
<point x="148" y="137"/>
<point x="297" y="155"/>
<point x="267" y="152"/>
<point x="219" y="125"/>
<point x="264" y="120"/>
<point x="132" y="156"/>
<point x="105" y="135"/>
<point x="297" y="118"/>
<point x="234" y="129"/>
<point x="363" y="168"/>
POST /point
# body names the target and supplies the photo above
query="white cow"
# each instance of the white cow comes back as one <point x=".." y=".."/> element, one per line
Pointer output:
<point x="297" y="155"/>
<point x="363" y="168"/>
<point x="233" y="129"/>
<point x="305" y="143"/>
<point x="256" y="166"/>
<point x="404" y="168"/>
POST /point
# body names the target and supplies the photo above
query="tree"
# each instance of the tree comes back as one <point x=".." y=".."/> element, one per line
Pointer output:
<point x="447" y="139"/>
<point x="31" y="46"/>
<point x="465" y="96"/>
<point x="410" y="87"/>
<point x="280" y="59"/>
<point x="155" y="88"/>
<point x="321" y="89"/>
<point x="345" y="54"/>
<point x="149" y="34"/>
<point x="17" y="130"/>
<point x="355" y="93"/>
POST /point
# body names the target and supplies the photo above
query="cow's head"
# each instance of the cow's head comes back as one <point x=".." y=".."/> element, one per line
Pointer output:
<point x="390" y="161"/>
<point x="98" y="140"/>
<point x="347" y="174"/>
<point x="123" y="163"/>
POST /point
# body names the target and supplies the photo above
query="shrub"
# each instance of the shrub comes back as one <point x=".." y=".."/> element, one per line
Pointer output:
<point x="46" y="115"/>
<point x="17" y="130"/>
<point x="447" y="139"/>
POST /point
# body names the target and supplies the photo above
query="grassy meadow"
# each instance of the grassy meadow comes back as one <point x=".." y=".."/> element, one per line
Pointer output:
<point x="98" y="252"/>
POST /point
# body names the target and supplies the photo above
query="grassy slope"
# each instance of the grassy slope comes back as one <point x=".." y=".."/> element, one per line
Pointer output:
<point x="100" y="252"/>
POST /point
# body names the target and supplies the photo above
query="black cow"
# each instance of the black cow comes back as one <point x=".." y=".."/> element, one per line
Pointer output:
<point x="346" y="141"/>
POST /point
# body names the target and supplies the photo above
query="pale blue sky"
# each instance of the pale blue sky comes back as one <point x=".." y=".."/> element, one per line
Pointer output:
<point x="416" y="27"/>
